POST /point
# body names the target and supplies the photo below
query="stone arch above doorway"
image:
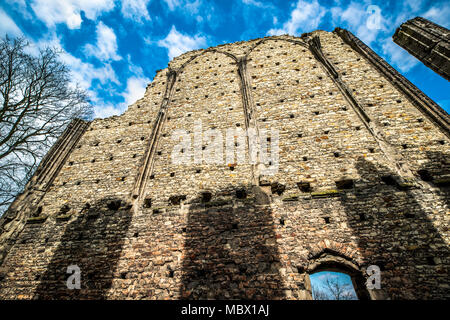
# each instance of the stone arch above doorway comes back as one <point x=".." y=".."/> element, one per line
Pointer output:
<point x="330" y="259"/>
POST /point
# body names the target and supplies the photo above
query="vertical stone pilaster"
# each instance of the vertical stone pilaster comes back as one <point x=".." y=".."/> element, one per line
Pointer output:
<point x="26" y="204"/>
<point x="427" y="106"/>
<point x="55" y="159"/>
<point x="148" y="160"/>
<point x="249" y="110"/>
<point x="395" y="159"/>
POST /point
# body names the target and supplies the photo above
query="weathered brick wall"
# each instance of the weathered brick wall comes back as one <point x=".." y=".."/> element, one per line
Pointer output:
<point x="363" y="179"/>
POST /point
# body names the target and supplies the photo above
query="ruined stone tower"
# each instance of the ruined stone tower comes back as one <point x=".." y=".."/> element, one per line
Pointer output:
<point x="362" y="180"/>
<point x="428" y="42"/>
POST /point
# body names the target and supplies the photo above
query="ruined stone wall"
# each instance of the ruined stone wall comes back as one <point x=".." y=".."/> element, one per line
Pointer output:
<point x="428" y="42"/>
<point x="363" y="179"/>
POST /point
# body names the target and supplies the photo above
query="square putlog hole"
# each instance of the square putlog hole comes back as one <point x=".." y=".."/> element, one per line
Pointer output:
<point x="147" y="203"/>
<point x="304" y="186"/>
<point x="345" y="184"/>
<point x="176" y="200"/>
<point x="241" y="194"/>
<point x="206" y="197"/>
<point x="277" y="188"/>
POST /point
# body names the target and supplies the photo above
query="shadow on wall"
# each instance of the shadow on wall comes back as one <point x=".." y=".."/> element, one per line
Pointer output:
<point x="395" y="233"/>
<point x="93" y="242"/>
<point x="437" y="171"/>
<point x="230" y="249"/>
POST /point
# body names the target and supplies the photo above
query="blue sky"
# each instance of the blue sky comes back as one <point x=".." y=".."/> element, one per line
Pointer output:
<point x="115" y="47"/>
<point x="318" y="280"/>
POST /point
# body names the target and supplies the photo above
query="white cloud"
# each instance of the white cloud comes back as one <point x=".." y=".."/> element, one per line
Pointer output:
<point x="256" y="3"/>
<point x="412" y="5"/>
<point x="172" y="4"/>
<point x="147" y="40"/>
<point x="357" y="16"/>
<point x="135" y="90"/>
<point x="305" y="17"/>
<point x="178" y="43"/>
<point x="134" y="69"/>
<point x="191" y="6"/>
<point x="106" y="46"/>
<point x="352" y="15"/>
<point x="21" y="6"/>
<point x="366" y="21"/>
<point x="439" y="15"/>
<point x="136" y="85"/>
<point x="398" y="56"/>
<point x="105" y="111"/>
<point x="17" y="3"/>
<point x="83" y="74"/>
<point x="52" y="12"/>
<point x="135" y="10"/>
<point x="8" y="26"/>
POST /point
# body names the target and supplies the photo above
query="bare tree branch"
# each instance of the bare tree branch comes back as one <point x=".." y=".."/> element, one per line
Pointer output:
<point x="37" y="101"/>
<point x="333" y="289"/>
<point x="319" y="294"/>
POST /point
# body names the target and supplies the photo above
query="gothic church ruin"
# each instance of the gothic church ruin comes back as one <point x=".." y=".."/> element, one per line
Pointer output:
<point x="363" y="179"/>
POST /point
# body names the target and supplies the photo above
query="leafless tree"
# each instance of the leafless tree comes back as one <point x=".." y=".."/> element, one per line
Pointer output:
<point x="319" y="294"/>
<point x="339" y="290"/>
<point x="333" y="289"/>
<point x="37" y="101"/>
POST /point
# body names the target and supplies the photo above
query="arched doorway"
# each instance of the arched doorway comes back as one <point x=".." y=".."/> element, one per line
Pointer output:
<point x="345" y="278"/>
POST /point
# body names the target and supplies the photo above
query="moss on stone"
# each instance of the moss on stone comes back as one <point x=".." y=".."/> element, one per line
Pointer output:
<point x="290" y="198"/>
<point x="325" y="193"/>
<point x="63" y="217"/>
<point x="405" y="185"/>
<point x="39" y="219"/>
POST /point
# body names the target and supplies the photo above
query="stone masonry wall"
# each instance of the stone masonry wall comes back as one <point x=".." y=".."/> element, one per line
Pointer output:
<point x="364" y="170"/>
